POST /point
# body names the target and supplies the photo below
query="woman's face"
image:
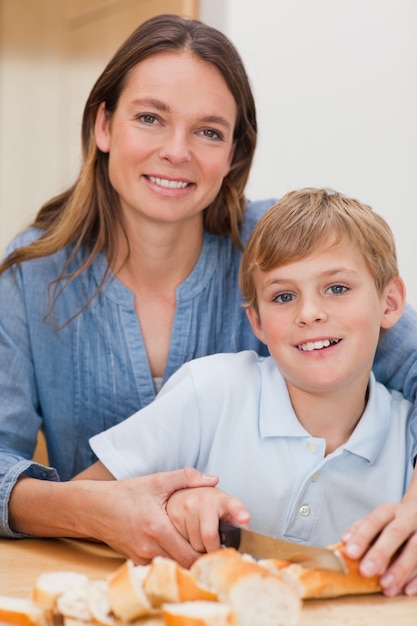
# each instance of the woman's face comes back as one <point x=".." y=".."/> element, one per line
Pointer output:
<point x="170" y="139"/>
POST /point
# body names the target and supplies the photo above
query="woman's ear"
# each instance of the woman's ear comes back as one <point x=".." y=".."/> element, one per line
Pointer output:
<point x="102" y="129"/>
<point x="393" y="302"/>
<point x="256" y="323"/>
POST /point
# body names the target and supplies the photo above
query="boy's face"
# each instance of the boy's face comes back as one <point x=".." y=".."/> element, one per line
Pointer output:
<point x="321" y="317"/>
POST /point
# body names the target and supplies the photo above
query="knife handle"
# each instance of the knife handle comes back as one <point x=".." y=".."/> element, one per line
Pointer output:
<point x="229" y="535"/>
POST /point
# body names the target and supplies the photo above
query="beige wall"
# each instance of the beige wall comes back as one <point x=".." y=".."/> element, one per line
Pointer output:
<point x="51" y="52"/>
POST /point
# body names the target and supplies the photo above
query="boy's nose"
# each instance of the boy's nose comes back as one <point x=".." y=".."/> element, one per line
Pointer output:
<point x="311" y="311"/>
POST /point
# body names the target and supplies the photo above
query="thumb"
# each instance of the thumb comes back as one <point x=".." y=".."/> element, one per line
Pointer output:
<point x="187" y="477"/>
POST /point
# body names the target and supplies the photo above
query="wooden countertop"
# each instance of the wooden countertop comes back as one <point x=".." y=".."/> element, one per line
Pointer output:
<point x="22" y="560"/>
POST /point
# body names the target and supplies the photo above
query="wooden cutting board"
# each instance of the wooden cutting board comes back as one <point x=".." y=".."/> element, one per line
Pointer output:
<point x="23" y="560"/>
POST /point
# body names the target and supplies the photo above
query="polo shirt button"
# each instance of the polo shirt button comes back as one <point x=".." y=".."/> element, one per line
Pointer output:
<point x="315" y="477"/>
<point x="312" y="446"/>
<point x="304" y="510"/>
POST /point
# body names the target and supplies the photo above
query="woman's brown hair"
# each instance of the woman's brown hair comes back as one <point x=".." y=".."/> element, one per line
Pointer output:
<point x="85" y="214"/>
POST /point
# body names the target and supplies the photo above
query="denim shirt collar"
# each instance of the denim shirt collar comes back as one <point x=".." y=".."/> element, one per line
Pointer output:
<point x="188" y="289"/>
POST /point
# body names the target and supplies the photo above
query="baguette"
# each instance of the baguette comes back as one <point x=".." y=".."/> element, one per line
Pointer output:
<point x="21" y="611"/>
<point x="167" y="581"/>
<point x="315" y="584"/>
<point x="198" y="613"/>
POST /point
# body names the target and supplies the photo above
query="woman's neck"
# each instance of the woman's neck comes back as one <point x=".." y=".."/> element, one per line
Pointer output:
<point x="158" y="256"/>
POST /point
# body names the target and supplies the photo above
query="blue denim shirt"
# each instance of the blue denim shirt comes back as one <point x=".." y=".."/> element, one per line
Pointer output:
<point x="93" y="373"/>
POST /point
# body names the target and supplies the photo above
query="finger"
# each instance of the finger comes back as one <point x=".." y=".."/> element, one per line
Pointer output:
<point x="183" y="478"/>
<point x="362" y="533"/>
<point x="391" y="587"/>
<point x="234" y="512"/>
<point x="202" y="519"/>
<point x="172" y="544"/>
<point x="400" y="530"/>
<point x="155" y="535"/>
<point x="411" y="587"/>
<point x="229" y="509"/>
<point x="402" y="571"/>
<point x="195" y="529"/>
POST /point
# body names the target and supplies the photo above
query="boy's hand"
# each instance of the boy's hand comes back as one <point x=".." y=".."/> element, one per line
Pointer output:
<point x="196" y="512"/>
<point x="388" y="539"/>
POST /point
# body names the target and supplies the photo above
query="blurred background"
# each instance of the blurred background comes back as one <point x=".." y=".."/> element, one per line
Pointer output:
<point x="335" y="83"/>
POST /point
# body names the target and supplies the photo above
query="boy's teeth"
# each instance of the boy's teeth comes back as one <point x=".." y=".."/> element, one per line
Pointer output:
<point x="316" y="345"/>
<point x="171" y="184"/>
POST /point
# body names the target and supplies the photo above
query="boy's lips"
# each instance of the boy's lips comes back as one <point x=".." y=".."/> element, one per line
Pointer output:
<point x="319" y="344"/>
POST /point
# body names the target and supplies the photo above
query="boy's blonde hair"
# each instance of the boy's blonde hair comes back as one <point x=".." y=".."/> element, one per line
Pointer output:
<point x="308" y="219"/>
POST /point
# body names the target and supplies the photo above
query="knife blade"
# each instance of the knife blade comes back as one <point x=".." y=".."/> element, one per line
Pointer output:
<point x="265" y="547"/>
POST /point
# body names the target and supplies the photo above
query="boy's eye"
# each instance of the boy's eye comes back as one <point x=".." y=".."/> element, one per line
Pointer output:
<point x="282" y="298"/>
<point x="336" y="290"/>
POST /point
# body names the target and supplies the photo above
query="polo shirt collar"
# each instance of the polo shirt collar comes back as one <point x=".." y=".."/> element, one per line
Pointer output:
<point x="277" y="417"/>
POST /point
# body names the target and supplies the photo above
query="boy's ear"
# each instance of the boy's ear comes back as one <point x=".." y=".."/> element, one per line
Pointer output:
<point x="393" y="301"/>
<point x="101" y="129"/>
<point x="256" y="324"/>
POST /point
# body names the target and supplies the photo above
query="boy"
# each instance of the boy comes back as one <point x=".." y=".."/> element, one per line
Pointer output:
<point x="304" y="438"/>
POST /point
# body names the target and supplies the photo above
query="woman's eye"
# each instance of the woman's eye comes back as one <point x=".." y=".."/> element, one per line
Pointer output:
<point x="282" y="298"/>
<point x="210" y="133"/>
<point x="336" y="290"/>
<point x="147" y="118"/>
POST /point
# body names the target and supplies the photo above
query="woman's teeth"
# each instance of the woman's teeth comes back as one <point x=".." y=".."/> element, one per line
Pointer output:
<point x="170" y="184"/>
<point x="317" y="345"/>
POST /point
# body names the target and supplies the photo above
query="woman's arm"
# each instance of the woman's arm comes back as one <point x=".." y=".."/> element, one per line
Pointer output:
<point x="395" y="364"/>
<point x="129" y="515"/>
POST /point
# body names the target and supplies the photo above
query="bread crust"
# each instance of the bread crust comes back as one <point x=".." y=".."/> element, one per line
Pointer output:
<point x="21" y="611"/>
<point x="167" y="581"/>
<point x="198" y="613"/>
<point x="127" y="598"/>
<point x="316" y="584"/>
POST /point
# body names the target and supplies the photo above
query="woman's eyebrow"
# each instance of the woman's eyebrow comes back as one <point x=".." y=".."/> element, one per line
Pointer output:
<point x="162" y="106"/>
<point x="152" y="102"/>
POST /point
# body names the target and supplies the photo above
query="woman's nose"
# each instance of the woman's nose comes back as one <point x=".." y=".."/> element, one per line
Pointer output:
<point x="175" y="148"/>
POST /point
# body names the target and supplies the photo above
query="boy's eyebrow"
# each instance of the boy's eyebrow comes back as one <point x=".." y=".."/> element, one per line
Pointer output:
<point x="163" y="107"/>
<point x="274" y="280"/>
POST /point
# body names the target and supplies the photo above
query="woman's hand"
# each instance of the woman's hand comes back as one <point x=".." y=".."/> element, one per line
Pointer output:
<point x="387" y="541"/>
<point x="129" y="515"/>
<point x="196" y="513"/>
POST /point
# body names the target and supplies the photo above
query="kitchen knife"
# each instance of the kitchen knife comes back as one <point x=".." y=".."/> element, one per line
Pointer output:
<point x="265" y="547"/>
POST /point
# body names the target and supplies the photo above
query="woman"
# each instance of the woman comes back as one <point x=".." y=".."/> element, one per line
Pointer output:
<point x="125" y="276"/>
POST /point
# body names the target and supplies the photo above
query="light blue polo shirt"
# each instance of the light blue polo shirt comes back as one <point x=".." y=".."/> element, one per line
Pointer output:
<point x="231" y="415"/>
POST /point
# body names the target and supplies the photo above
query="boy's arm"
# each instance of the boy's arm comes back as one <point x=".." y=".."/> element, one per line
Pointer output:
<point x="394" y="528"/>
<point x="196" y="512"/>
